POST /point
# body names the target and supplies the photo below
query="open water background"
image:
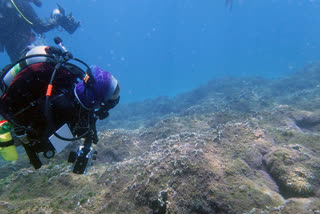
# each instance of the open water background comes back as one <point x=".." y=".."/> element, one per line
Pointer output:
<point x="166" y="47"/>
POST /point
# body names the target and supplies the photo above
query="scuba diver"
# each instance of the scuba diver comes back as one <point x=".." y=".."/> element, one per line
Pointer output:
<point x="19" y="25"/>
<point x="50" y="101"/>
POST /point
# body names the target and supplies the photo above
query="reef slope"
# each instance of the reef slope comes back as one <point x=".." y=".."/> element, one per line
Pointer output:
<point x="230" y="146"/>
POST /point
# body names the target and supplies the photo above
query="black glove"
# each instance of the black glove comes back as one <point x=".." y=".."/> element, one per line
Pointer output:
<point x="102" y="113"/>
<point x="92" y="136"/>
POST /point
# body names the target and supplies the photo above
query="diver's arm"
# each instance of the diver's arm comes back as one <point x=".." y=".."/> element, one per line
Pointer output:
<point x="42" y="27"/>
<point x="85" y="126"/>
<point x="92" y="135"/>
<point x="38" y="25"/>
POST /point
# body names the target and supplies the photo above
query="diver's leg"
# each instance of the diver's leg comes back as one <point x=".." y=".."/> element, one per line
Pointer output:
<point x="14" y="47"/>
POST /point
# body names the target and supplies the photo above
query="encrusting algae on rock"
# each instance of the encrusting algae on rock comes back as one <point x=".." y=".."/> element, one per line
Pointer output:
<point x="232" y="146"/>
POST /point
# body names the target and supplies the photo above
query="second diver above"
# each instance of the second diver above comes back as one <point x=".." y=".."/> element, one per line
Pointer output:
<point x="44" y="92"/>
<point x="19" y="25"/>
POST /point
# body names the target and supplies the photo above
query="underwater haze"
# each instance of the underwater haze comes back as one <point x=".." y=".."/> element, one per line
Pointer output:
<point x="219" y="112"/>
<point x="162" y="48"/>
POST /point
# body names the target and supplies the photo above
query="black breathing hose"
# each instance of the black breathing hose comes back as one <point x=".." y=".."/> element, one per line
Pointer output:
<point x="50" y="86"/>
<point x="47" y="102"/>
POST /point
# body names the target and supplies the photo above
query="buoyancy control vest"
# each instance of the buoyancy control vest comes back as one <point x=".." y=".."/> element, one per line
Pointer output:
<point x="25" y="83"/>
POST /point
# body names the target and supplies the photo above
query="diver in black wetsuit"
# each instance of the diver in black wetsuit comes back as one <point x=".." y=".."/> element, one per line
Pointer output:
<point x="44" y="95"/>
<point x="19" y="25"/>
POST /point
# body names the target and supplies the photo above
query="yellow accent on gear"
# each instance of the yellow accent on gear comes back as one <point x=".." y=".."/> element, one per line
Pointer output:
<point x="25" y="18"/>
<point x="9" y="153"/>
<point x="5" y="137"/>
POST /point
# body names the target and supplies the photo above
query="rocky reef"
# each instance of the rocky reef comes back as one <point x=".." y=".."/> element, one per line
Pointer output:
<point x="230" y="146"/>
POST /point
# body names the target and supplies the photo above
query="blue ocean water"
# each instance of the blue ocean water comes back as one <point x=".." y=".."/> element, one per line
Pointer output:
<point x="166" y="47"/>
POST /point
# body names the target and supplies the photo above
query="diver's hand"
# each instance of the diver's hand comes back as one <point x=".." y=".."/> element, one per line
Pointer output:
<point x="67" y="22"/>
<point x="102" y="114"/>
<point x="92" y="137"/>
<point x="56" y="15"/>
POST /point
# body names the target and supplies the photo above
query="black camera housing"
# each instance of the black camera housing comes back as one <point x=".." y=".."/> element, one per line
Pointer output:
<point x="82" y="159"/>
<point x="69" y="23"/>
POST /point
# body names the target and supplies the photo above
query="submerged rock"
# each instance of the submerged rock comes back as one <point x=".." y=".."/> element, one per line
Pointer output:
<point x="296" y="172"/>
<point x="231" y="146"/>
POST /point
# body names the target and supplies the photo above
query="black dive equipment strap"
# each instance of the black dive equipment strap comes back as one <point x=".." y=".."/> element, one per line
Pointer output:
<point x="59" y="57"/>
<point x="6" y="144"/>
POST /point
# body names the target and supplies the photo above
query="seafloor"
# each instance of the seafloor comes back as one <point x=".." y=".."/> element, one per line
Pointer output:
<point x="233" y="145"/>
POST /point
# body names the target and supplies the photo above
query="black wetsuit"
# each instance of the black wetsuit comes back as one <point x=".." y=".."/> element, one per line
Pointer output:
<point x="25" y="104"/>
<point x="16" y="33"/>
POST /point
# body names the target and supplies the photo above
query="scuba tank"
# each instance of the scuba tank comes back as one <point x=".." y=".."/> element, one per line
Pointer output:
<point x="7" y="148"/>
<point x="49" y="141"/>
